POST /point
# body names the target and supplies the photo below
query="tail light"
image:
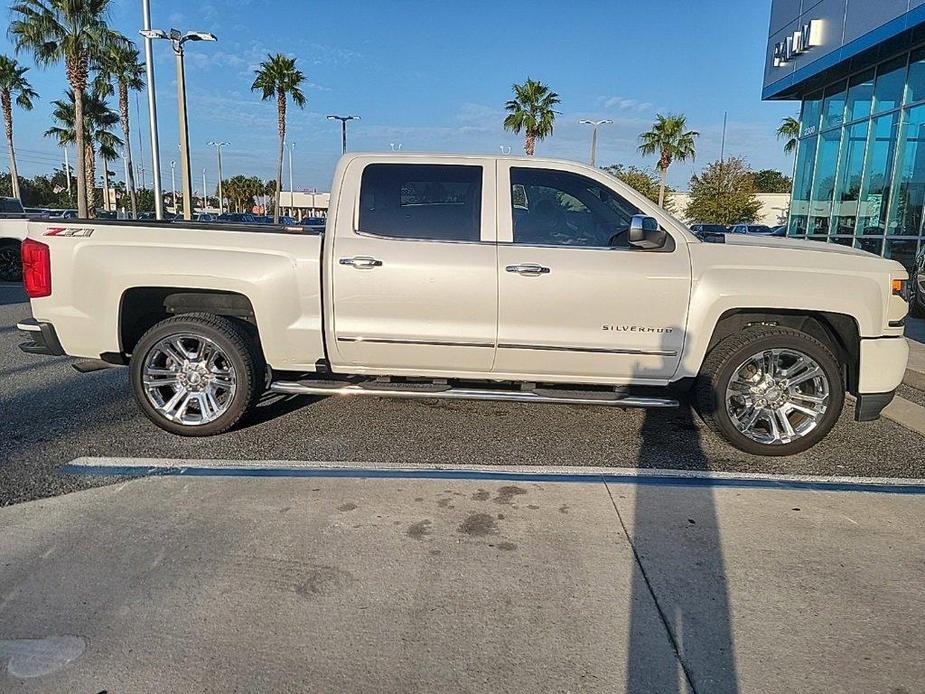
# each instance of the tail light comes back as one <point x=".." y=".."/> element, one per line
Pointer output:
<point x="36" y="268"/>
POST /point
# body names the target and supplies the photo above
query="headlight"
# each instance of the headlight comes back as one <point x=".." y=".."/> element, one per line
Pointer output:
<point x="902" y="289"/>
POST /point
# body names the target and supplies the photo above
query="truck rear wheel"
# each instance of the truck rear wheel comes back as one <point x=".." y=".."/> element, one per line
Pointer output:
<point x="197" y="374"/>
<point x="770" y="390"/>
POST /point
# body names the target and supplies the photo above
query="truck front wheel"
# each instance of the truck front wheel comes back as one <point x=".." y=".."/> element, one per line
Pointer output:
<point x="196" y="374"/>
<point x="770" y="390"/>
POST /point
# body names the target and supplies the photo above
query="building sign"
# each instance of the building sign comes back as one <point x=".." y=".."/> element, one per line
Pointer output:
<point x="804" y="38"/>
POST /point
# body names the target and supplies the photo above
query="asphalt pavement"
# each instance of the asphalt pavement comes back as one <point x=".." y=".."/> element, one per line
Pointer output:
<point x="50" y="414"/>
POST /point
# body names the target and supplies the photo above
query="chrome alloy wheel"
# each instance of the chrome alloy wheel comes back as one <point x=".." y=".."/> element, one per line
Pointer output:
<point x="188" y="379"/>
<point x="777" y="396"/>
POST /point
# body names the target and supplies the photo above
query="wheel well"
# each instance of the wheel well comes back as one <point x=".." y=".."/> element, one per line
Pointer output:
<point x="143" y="307"/>
<point x="837" y="330"/>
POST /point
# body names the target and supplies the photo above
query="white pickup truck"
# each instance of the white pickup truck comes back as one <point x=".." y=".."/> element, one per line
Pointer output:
<point x="493" y="278"/>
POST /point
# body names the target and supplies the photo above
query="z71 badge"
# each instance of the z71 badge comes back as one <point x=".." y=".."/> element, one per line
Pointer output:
<point x="77" y="232"/>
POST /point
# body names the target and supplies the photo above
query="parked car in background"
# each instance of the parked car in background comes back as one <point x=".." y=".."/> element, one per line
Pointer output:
<point x="238" y="218"/>
<point x="779" y="230"/>
<point x="36" y="212"/>
<point x="11" y="208"/>
<point x="62" y="214"/>
<point x="204" y="217"/>
<point x="709" y="228"/>
<point x="314" y="223"/>
<point x="917" y="298"/>
<point x="753" y="229"/>
<point x="577" y="290"/>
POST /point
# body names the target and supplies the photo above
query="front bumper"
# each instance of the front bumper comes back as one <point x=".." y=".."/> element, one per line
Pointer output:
<point x="882" y="364"/>
<point x="42" y="338"/>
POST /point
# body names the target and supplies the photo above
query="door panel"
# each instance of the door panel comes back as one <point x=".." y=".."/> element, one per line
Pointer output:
<point x="575" y="300"/>
<point x="595" y="314"/>
<point x="418" y="299"/>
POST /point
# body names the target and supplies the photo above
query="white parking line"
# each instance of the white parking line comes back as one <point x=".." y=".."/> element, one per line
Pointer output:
<point x="122" y="466"/>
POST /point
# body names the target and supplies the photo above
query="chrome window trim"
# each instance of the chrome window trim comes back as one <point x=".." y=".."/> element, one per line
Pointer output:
<point x="371" y="235"/>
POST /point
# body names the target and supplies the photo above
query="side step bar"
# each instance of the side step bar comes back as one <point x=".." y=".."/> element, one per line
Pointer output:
<point x="448" y="393"/>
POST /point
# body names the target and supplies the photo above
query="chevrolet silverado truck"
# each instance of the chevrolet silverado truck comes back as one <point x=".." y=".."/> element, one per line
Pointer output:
<point x="482" y="278"/>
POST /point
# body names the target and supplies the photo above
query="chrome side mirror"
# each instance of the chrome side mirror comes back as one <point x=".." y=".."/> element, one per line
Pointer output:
<point x="644" y="232"/>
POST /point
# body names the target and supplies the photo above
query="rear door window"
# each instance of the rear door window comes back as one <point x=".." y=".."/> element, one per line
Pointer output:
<point x="437" y="202"/>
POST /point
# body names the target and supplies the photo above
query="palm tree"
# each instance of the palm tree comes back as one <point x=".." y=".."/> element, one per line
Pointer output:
<point x="790" y="130"/>
<point x="99" y="120"/>
<point x="13" y="82"/>
<point x="277" y="76"/>
<point x="671" y="142"/>
<point x="120" y="66"/>
<point x="72" y="31"/>
<point x="531" y="112"/>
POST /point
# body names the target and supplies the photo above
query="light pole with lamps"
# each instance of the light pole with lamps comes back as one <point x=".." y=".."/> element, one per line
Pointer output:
<point x="205" y="192"/>
<point x="343" y="128"/>
<point x="218" y="147"/>
<point x="594" y="125"/>
<point x="177" y="39"/>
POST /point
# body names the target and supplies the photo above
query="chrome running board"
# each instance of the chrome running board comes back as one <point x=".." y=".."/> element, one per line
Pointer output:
<point x="546" y="396"/>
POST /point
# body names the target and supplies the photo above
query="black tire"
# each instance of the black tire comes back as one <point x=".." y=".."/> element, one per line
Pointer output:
<point x="10" y="261"/>
<point x="237" y="344"/>
<point x="725" y="358"/>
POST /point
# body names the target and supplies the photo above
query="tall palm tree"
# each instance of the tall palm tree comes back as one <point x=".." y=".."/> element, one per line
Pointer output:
<point x="72" y="31"/>
<point x="278" y="76"/>
<point x="97" y="132"/>
<point x="531" y="112"/>
<point x="13" y="82"/>
<point x="789" y="131"/>
<point x="671" y="142"/>
<point x="119" y="66"/>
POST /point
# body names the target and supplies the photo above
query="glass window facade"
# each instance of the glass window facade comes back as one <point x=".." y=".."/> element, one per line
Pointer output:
<point x="859" y="175"/>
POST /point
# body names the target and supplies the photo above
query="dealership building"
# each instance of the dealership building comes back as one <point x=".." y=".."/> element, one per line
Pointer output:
<point x="857" y="67"/>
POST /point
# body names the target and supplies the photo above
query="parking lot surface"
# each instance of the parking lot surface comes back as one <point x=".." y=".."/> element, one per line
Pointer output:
<point x="425" y="585"/>
<point x="50" y="414"/>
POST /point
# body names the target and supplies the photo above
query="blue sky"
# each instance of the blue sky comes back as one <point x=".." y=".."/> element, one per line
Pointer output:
<point x="434" y="76"/>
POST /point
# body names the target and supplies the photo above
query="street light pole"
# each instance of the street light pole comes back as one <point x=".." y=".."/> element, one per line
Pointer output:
<point x="594" y="125"/>
<point x="177" y="39"/>
<point x="343" y="128"/>
<point x="152" y="109"/>
<point x="205" y="192"/>
<point x="67" y="172"/>
<point x="291" y="189"/>
<point x="173" y="185"/>
<point x="218" y="146"/>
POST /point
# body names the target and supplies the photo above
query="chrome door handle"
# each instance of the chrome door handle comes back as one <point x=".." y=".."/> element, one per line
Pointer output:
<point x="361" y="262"/>
<point x="529" y="269"/>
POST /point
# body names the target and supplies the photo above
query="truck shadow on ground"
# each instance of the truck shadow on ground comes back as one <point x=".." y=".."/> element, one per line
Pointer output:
<point x="681" y="566"/>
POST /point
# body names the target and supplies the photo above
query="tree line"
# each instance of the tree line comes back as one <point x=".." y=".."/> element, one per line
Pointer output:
<point x="723" y="193"/>
<point x="99" y="63"/>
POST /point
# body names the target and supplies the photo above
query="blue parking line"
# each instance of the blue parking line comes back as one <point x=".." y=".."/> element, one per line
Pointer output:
<point x="507" y="476"/>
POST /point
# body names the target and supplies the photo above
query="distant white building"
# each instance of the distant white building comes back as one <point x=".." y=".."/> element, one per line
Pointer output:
<point x="774" y="207"/>
<point x="300" y="205"/>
